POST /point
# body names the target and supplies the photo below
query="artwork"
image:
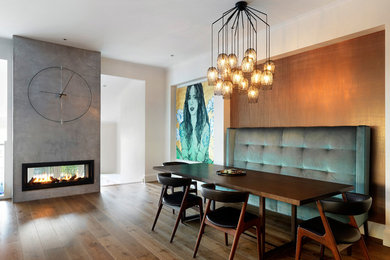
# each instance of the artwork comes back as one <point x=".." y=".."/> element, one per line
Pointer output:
<point x="195" y="123"/>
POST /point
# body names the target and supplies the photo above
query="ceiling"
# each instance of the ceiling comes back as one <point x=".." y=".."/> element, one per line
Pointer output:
<point x="140" y="31"/>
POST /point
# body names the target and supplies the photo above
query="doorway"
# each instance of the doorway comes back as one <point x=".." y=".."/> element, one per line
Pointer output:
<point x="3" y="121"/>
<point x="122" y="130"/>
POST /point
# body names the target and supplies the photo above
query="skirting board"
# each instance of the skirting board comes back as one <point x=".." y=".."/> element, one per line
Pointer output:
<point x="151" y="178"/>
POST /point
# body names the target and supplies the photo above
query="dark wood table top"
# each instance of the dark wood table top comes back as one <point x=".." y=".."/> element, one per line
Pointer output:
<point x="293" y="190"/>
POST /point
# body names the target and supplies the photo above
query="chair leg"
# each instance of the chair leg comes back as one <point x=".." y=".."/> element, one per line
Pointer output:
<point x="299" y="245"/>
<point x="226" y="239"/>
<point x="179" y="215"/>
<point x="364" y="248"/>
<point x="201" y="231"/>
<point x="365" y="226"/>
<point x="349" y="250"/>
<point x="335" y="251"/>
<point x="258" y="237"/>
<point x="158" y="214"/>
<point x="322" y="250"/>
<point x="234" y="245"/>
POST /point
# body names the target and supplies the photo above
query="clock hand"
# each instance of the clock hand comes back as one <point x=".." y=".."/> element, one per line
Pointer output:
<point x="54" y="93"/>
<point x="62" y="93"/>
<point x="49" y="92"/>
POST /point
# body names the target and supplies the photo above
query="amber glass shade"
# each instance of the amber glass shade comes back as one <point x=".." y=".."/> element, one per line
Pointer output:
<point x="218" y="87"/>
<point x="253" y="94"/>
<point x="237" y="76"/>
<point x="232" y="60"/>
<point x="226" y="73"/>
<point x="256" y="77"/>
<point x="269" y="66"/>
<point x="251" y="53"/>
<point x="247" y="64"/>
<point x="212" y="75"/>
<point x="267" y="78"/>
<point x="222" y="61"/>
<point x="227" y="88"/>
<point x="243" y="86"/>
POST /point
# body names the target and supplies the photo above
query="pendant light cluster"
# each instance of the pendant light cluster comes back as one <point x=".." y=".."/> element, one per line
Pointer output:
<point x="237" y="41"/>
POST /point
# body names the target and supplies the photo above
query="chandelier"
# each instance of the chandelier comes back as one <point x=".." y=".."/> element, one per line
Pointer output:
<point x="237" y="41"/>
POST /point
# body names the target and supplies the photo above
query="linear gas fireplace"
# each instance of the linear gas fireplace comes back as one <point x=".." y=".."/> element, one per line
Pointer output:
<point x="56" y="174"/>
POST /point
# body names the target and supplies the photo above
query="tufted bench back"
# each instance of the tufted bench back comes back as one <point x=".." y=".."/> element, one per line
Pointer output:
<point x="335" y="154"/>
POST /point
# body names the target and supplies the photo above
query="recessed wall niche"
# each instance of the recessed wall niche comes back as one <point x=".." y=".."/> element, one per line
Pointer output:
<point x="42" y="129"/>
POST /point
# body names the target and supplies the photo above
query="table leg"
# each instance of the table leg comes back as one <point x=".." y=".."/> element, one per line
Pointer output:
<point x="294" y="222"/>
<point x="262" y="219"/>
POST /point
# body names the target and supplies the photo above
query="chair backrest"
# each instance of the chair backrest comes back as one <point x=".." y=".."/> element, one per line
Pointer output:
<point x="167" y="180"/>
<point x="209" y="192"/>
<point x="173" y="163"/>
<point x="356" y="204"/>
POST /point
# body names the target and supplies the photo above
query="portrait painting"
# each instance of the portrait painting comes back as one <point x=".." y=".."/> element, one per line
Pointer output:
<point x="195" y="123"/>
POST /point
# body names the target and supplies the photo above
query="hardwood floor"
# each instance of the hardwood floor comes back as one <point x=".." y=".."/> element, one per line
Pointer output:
<point x="116" y="224"/>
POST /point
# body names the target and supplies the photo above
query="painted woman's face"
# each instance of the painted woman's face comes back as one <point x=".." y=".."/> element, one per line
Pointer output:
<point x="192" y="101"/>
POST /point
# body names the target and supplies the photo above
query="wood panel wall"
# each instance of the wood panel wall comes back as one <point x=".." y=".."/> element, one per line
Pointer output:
<point x="340" y="84"/>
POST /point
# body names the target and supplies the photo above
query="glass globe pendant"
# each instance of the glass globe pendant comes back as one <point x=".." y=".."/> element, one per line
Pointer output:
<point x="269" y="66"/>
<point x="237" y="76"/>
<point x="247" y="65"/>
<point x="243" y="86"/>
<point x="226" y="73"/>
<point x="253" y="94"/>
<point x="222" y="61"/>
<point x="251" y="53"/>
<point x="212" y="75"/>
<point x="227" y="89"/>
<point x="218" y="87"/>
<point x="267" y="78"/>
<point x="256" y="77"/>
<point x="232" y="60"/>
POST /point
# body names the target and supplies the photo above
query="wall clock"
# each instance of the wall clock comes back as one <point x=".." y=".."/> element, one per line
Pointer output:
<point x="59" y="94"/>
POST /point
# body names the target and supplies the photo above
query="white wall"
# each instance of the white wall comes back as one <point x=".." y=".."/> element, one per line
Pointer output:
<point x="131" y="133"/>
<point x="123" y="127"/>
<point x="109" y="147"/>
<point x="338" y="19"/>
<point x="6" y="52"/>
<point x="156" y="108"/>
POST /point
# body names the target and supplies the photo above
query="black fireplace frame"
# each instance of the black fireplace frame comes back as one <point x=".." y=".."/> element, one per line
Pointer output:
<point x="27" y="187"/>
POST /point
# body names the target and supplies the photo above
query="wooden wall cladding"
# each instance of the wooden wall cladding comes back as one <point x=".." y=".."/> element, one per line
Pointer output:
<point x="340" y="84"/>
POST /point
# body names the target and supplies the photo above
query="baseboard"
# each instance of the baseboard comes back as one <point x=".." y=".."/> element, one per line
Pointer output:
<point x="151" y="178"/>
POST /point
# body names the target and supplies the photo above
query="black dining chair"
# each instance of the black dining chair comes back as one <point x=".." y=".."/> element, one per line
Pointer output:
<point x="228" y="219"/>
<point x="332" y="233"/>
<point x="180" y="200"/>
<point x="194" y="184"/>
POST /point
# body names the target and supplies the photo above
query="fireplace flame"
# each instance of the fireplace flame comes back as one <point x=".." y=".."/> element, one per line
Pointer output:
<point x="46" y="178"/>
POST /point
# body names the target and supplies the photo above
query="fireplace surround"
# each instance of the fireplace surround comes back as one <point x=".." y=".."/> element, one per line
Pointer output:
<point x="45" y="175"/>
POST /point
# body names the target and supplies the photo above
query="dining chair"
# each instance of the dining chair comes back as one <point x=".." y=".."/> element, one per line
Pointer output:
<point x="180" y="200"/>
<point x="194" y="184"/>
<point x="228" y="219"/>
<point x="332" y="233"/>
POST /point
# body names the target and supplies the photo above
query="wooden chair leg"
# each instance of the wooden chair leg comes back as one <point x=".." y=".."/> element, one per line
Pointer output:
<point x="226" y="239"/>
<point x="335" y="251"/>
<point x="158" y="214"/>
<point x="364" y="248"/>
<point x="258" y="237"/>
<point x="299" y="245"/>
<point x="322" y="250"/>
<point x="179" y="215"/>
<point x="201" y="231"/>
<point x="234" y="245"/>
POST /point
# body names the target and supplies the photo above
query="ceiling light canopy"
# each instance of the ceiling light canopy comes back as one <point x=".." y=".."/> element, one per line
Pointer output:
<point x="236" y="63"/>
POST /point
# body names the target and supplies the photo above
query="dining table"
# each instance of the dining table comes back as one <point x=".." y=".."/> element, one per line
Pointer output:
<point x="296" y="191"/>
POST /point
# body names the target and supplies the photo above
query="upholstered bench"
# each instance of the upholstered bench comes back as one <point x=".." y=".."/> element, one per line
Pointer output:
<point x="337" y="154"/>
